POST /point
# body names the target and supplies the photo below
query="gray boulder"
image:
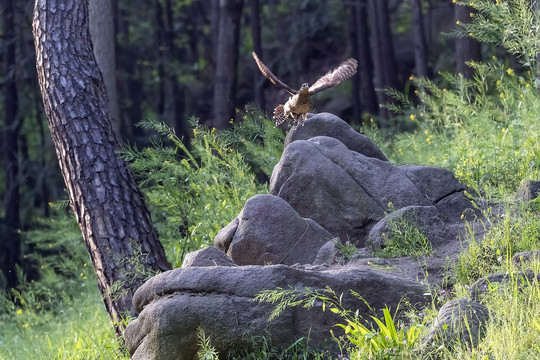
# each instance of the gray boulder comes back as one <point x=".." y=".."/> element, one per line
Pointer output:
<point x="526" y="256"/>
<point x="528" y="190"/>
<point x="326" y="124"/>
<point x="269" y="231"/>
<point x="460" y="321"/>
<point x="343" y="191"/>
<point x="347" y="193"/>
<point x="441" y="187"/>
<point x="209" y="256"/>
<point x="497" y="281"/>
<point x="426" y="218"/>
<point x="219" y="300"/>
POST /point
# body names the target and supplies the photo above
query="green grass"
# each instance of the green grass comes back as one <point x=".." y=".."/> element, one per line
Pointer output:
<point x="405" y="239"/>
<point x="77" y="328"/>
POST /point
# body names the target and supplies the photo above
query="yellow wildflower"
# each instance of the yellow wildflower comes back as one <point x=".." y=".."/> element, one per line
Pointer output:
<point x="19" y="311"/>
<point x="510" y="71"/>
<point x="412" y="117"/>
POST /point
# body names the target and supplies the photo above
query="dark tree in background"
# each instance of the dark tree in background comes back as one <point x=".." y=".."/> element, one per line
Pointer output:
<point x="10" y="241"/>
<point x="104" y="196"/>
<point x="368" y="98"/>
<point x="466" y="49"/>
<point x="230" y="13"/>
<point x="354" y="41"/>
<point x="257" y="47"/>
<point x="384" y="58"/>
<point x="103" y="37"/>
<point x="419" y="39"/>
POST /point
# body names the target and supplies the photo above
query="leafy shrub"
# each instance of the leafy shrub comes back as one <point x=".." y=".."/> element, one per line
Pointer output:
<point x="405" y="239"/>
<point x="485" y="129"/>
<point x="361" y="340"/>
<point x="196" y="192"/>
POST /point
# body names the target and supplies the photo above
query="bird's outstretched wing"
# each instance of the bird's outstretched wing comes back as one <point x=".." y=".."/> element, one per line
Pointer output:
<point x="332" y="78"/>
<point x="266" y="72"/>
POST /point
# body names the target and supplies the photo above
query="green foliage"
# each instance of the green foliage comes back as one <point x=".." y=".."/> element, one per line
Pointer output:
<point x="58" y="251"/>
<point x="362" y="339"/>
<point x="405" y="239"/>
<point x="485" y="129"/>
<point x="61" y="315"/>
<point x="512" y="330"/>
<point x="206" y="351"/>
<point x="511" y="24"/>
<point x="197" y="192"/>
<point x="347" y="250"/>
<point x="383" y="343"/>
<point x="514" y="230"/>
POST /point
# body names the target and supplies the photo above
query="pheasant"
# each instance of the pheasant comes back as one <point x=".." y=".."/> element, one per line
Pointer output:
<point x="299" y="104"/>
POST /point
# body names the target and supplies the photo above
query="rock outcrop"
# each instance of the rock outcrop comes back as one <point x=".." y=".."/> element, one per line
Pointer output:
<point x="332" y="186"/>
<point x="174" y="304"/>
<point x="347" y="193"/>
<point x="269" y="231"/>
<point x="460" y="321"/>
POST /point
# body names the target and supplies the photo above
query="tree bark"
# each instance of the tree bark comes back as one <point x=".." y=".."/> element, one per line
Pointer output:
<point x="352" y="9"/>
<point x="257" y="47"/>
<point x="368" y="97"/>
<point x="466" y="48"/>
<point x="230" y="12"/>
<point x="10" y="241"/>
<point x="104" y="40"/>
<point x="115" y="223"/>
<point x="419" y="39"/>
<point x="384" y="58"/>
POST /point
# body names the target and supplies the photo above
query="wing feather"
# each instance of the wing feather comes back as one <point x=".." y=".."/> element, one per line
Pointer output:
<point x="332" y="78"/>
<point x="266" y="72"/>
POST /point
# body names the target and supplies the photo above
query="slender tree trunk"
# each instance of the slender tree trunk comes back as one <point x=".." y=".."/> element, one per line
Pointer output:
<point x="352" y="9"/>
<point x="115" y="223"/>
<point x="180" y="125"/>
<point x="257" y="47"/>
<point x="214" y="29"/>
<point x="162" y="59"/>
<point x="104" y="40"/>
<point x="467" y="49"/>
<point x="10" y="241"/>
<point x="419" y="39"/>
<point x="230" y="12"/>
<point x="384" y="59"/>
<point x="368" y="97"/>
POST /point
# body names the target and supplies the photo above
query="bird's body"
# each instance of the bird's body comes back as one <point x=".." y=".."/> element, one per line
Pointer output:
<point x="296" y="107"/>
<point x="299" y="104"/>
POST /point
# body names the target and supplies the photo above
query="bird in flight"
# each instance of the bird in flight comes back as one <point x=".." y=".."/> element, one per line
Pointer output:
<point x="299" y="104"/>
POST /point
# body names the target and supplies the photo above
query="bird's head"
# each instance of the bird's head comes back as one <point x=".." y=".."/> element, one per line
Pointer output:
<point x="304" y="89"/>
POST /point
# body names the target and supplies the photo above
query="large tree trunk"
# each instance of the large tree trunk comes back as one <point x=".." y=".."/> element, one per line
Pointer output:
<point x="467" y="49"/>
<point x="230" y="12"/>
<point x="10" y="241"/>
<point x="419" y="39"/>
<point x="115" y="223"/>
<point x="104" y="40"/>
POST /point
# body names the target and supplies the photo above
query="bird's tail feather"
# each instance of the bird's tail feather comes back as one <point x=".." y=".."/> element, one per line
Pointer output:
<point x="279" y="115"/>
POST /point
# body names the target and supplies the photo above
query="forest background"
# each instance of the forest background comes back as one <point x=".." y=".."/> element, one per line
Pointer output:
<point x="170" y="61"/>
